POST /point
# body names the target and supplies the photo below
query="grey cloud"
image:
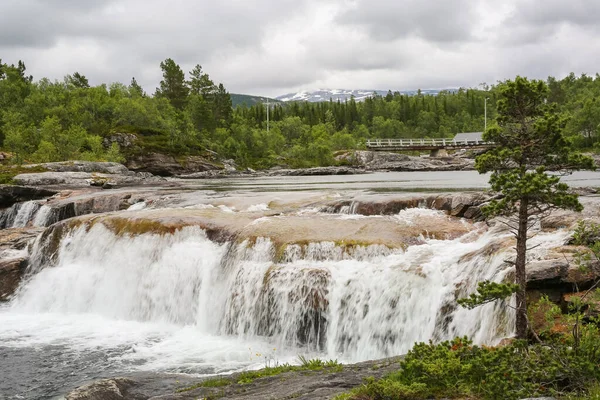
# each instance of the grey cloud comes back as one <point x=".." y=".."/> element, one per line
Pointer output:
<point x="437" y="21"/>
<point x="550" y="12"/>
<point x="534" y="22"/>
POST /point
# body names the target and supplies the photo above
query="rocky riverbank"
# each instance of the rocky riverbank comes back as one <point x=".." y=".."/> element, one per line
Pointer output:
<point x="302" y="385"/>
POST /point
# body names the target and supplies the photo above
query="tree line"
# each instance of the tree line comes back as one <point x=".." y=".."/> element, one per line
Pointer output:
<point x="43" y="120"/>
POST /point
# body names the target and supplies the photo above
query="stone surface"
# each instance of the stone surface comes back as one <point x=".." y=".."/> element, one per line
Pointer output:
<point x="379" y="160"/>
<point x="303" y="385"/>
<point x="166" y="165"/>
<point x="11" y="270"/>
<point x="83" y="179"/>
<point x="11" y="194"/>
<point x="82" y="166"/>
<point x="106" y="389"/>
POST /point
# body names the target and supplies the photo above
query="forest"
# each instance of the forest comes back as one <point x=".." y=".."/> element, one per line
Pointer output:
<point x="189" y="114"/>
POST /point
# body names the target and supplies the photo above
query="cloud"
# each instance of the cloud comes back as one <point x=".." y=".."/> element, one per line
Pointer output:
<point x="273" y="47"/>
<point x="436" y="21"/>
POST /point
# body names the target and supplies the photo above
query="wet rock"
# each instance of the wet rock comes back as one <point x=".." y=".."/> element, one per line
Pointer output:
<point x="463" y="202"/>
<point x="106" y="389"/>
<point x="11" y="271"/>
<point x="17" y="238"/>
<point x="11" y="194"/>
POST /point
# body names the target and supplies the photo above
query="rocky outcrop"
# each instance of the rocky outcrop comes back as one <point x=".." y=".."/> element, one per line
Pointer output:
<point x="461" y="205"/>
<point x="13" y="258"/>
<point x="84" y="179"/>
<point x="375" y="160"/>
<point x="166" y="165"/>
<point x="81" y="166"/>
<point x="11" y="194"/>
<point x="11" y="270"/>
<point x="302" y="385"/>
<point x="561" y="269"/>
<point x="106" y="389"/>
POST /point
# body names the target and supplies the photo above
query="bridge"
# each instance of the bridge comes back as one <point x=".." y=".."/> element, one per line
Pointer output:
<point x="436" y="146"/>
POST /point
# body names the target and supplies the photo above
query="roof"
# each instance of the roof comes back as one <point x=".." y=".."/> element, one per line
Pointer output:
<point x="469" y="136"/>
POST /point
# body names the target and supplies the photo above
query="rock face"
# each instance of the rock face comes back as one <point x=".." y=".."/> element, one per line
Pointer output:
<point x="13" y="258"/>
<point x="166" y="165"/>
<point x="11" y="271"/>
<point x="10" y="194"/>
<point x="83" y="166"/>
<point x="83" y="179"/>
<point x="374" y="160"/>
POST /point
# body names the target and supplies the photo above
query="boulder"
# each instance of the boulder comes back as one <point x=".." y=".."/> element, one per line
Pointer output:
<point x="560" y="268"/>
<point x="166" y="165"/>
<point x="11" y="270"/>
<point x="11" y="194"/>
<point x="105" y="389"/>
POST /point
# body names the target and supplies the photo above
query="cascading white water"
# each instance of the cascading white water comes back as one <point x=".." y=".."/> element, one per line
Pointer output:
<point x="164" y="294"/>
<point x="25" y="214"/>
<point x="42" y="216"/>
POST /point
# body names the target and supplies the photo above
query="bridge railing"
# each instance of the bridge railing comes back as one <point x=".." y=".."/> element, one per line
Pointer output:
<point x="374" y="143"/>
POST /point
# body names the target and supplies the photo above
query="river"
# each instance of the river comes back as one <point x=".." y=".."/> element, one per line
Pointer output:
<point x="181" y="303"/>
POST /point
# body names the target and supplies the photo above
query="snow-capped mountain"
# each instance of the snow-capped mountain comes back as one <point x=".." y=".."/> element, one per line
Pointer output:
<point x="344" y="94"/>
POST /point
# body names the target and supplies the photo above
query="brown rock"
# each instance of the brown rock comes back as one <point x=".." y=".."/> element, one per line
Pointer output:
<point x="11" y="271"/>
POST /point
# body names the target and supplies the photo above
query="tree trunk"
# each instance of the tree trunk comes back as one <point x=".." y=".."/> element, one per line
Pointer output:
<point x="521" y="276"/>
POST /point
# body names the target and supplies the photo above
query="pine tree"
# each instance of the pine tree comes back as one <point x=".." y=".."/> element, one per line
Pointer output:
<point x="530" y="155"/>
<point x="173" y="87"/>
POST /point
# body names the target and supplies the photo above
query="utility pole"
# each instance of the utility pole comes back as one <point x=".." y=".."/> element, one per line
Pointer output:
<point x="267" y="104"/>
<point x="485" y="114"/>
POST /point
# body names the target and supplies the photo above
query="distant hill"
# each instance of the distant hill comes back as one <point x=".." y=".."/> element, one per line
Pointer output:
<point x="345" y="94"/>
<point x="249" y="100"/>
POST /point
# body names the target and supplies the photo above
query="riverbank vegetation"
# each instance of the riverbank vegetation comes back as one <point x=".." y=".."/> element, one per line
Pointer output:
<point x="189" y="114"/>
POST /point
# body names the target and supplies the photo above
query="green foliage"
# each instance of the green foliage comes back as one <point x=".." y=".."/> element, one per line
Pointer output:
<point x="191" y="114"/>
<point x="458" y="369"/>
<point x="530" y="144"/>
<point x="487" y="292"/>
<point x="247" y="377"/>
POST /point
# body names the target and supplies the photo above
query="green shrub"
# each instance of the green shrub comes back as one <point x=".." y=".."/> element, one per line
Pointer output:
<point x="458" y="369"/>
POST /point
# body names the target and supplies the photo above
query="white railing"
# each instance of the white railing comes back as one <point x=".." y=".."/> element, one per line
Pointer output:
<point x="375" y="143"/>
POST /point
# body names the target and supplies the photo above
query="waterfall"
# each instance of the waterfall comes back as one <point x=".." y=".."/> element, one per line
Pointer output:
<point x="42" y="217"/>
<point x="19" y="215"/>
<point x="352" y="303"/>
<point x="25" y="214"/>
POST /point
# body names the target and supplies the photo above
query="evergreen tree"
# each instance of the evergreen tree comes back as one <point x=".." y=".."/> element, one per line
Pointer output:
<point x="201" y="84"/>
<point x="173" y="86"/>
<point x="135" y="89"/>
<point x="526" y="164"/>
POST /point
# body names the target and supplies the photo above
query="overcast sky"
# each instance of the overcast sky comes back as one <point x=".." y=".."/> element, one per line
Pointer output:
<point x="272" y="47"/>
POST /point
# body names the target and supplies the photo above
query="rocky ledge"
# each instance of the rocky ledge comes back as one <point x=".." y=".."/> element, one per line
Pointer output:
<point x="313" y="385"/>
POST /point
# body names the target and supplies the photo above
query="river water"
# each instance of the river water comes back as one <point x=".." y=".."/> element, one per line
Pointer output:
<point x="113" y="305"/>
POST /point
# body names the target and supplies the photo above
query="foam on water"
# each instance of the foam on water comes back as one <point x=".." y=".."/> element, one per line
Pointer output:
<point x="183" y="303"/>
